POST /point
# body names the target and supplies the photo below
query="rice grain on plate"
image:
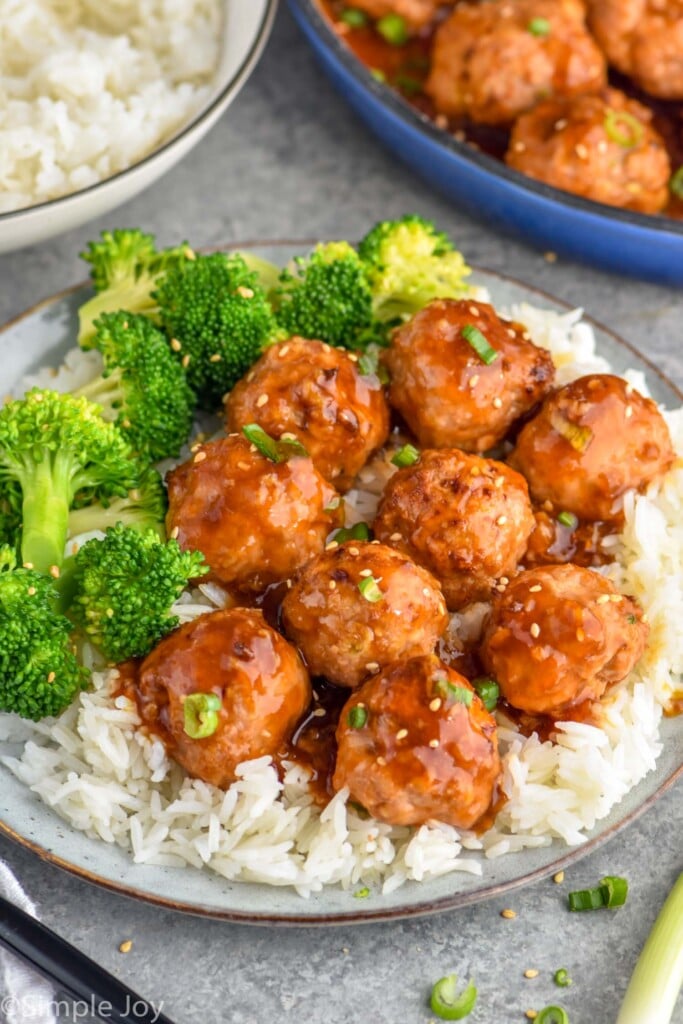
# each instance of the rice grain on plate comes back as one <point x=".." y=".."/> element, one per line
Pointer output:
<point x="108" y="779"/>
<point x="89" y="88"/>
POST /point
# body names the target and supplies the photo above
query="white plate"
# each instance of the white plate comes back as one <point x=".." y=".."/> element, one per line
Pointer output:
<point x="43" y="335"/>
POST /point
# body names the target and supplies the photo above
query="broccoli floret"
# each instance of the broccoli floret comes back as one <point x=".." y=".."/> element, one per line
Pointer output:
<point x="126" y="267"/>
<point x="56" y="447"/>
<point x="143" y="388"/>
<point x="124" y="587"/>
<point x="326" y="296"/>
<point x="39" y="673"/>
<point x="143" y="508"/>
<point x="218" y="320"/>
<point x="409" y="263"/>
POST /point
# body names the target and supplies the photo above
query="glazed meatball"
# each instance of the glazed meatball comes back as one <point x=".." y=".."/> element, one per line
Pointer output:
<point x="416" y="13"/>
<point x="415" y="743"/>
<point x="255" y="521"/>
<point x="359" y="606"/>
<point x="644" y="39"/>
<point x="447" y="394"/>
<point x="315" y="393"/>
<point x="465" y="518"/>
<point x="602" y="147"/>
<point x="258" y="677"/>
<point x="492" y="61"/>
<point x="559" y="635"/>
<point x="592" y="441"/>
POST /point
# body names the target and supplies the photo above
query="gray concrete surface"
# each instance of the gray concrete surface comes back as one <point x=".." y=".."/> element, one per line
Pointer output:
<point x="289" y="160"/>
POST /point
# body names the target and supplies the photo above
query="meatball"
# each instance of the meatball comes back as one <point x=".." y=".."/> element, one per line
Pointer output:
<point x="560" y="635"/>
<point x="315" y="393"/>
<point x="255" y="521"/>
<point x="492" y="61"/>
<point x="592" y="441"/>
<point x="258" y="677"/>
<point x="644" y="39"/>
<point x="447" y="394"/>
<point x="358" y="607"/>
<point x="415" y="743"/>
<point x="465" y="518"/>
<point x="416" y="13"/>
<point x="602" y="147"/>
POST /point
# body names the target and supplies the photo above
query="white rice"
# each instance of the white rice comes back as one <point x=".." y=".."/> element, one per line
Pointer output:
<point x="113" y="782"/>
<point x="89" y="87"/>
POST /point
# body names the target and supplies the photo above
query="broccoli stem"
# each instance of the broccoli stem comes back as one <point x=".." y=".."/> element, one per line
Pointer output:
<point x="105" y="391"/>
<point x="47" y="497"/>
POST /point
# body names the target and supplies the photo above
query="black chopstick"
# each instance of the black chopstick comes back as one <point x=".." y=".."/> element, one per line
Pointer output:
<point x="78" y="975"/>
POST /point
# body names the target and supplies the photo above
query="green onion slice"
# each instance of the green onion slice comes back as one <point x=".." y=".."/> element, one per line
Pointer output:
<point x="456" y="694"/>
<point x="200" y="715"/>
<point x="449" y="1004"/>
<point x="539" y="27"/>
<point x="488" y="690"/>
<point x="393" y="28"/>
<point x="676" y="183"/>
<point x="562" y="978"/>
<point x="369" y="364"/>
<point x="276" y="451"/>
<point x="357" y="717"/>
<point x="579" y="437"/>
<point x="378" y="74"/>
<point x="552" y="1015"/>
<point x="479" y="343"/>
<point x="623" y="128"/>
<point x="611" y="892"/>
<point x="361" y="531"/>
<point x="333" y="505"/>
<point x="568" y="519"/>
<point x="408" y="455"/>
<point x="354" y="18"/>
<point x="362" y="894"/>
<point x="370" y="590"/>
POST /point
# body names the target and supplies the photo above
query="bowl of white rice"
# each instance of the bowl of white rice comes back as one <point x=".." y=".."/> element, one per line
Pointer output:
<point x="99" y="100"/>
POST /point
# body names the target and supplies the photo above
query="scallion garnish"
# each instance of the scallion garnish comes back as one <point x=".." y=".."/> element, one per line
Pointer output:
<point x="362" y="894"/>
<point x="393" y="28"/>
<point x="562" y="978"/>
<point x="539" y="27"/>
<point x="654" y="986"/>
<point x="578" y="437"/>
<point x="408" y="455"/>
<point x="361" y="531"/>
<point x="333" y="505"/>
<point x="568" y="519"/>
<point x="449" y="691"/>
<point x="200" y="715"/>
<point x="370" y="590"/>
<point x="488" y="690"/>
<point x="369" y="364"/>
<point x="378" y="74"/>
<point x="450" y="1004"/>
<point x="357" y="717"/>
<point x="479" y="343"/>
<point x="676" y="183"/>
<point x="552" y="1015"/>
<point x="354" y="18"/>
<point x="611" y="892"/>
<point x="623" y="128"/>
<point x="276" y="451"/>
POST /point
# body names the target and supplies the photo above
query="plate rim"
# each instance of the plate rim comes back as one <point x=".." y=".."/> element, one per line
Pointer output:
<point x="412" y="118"/>
<point x="368" y="915"/>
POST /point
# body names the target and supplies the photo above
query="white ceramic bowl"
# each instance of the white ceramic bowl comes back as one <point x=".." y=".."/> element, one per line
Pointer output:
<point x="246" y="28"/>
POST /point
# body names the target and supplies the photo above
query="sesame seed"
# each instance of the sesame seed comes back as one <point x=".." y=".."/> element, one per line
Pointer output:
<point x="365" y="572"/>
<point x="240" y="465"/>
<point x="531" y="1014"/>
<point x="332" y="545"/>
<point x="475" y="471"/>
<point x="580" y="635"/>
<point x="246" y="293"/>
<point x="175" y="533"/>
<point x="185" y="362"/>
<point x="319" y="713"/>
<point x="581" y="151"/>
<point x="283" y="351"/>
<point x="442" y="608"/>
<point x="558" y="877"/>
<point x="535" y="630"/>
<point x="175" y="345"/>
<point x="435" y="704"/>
<point x="497" y="402"/>
<point x="126" y="946"/>
<point x="615" y="598"/>
<point x="512" y="333"/>
<point x="201" y="456"/>
<point x="535" y="589"/>
<point x="395" y="536"/>
<point x="352" y="357"/>
<point x="289" y="584"/>
<point x="602" y="146"/>
<point x="28" y="565"/>
<point x="381" y="760"/>
<point x="508" y="914"/>
<point x="261" y="401"/>
<point x="426" y="592"/>
<point x="401" y="734"/>
<point x="628" y="412"/>
<point x="500" y="587"/>
<point x="501" y="520"/>
<point x="474" y="310"/>
<point x="31" y="591"/>
<point x="250" y="376"/>
<point x="550" y="256"/>
<point x="372" y="666"/>
<point x="561" y="123"/>
<point x="54" y="572"/>
<point x="504" y="580"/>
<point x="473" y="381"/>
<point x="499" y="481"/>
<point x="332" y="584"/>
<point x="353" y="551"/>
<point x="531" y="973"/>
<point x="51" y="677"/>
<point x="433" y="744"/>
<point x="519" y="147"/>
